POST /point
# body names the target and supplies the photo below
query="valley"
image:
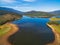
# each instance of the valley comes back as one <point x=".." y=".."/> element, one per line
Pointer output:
<point x="33" y="27"/>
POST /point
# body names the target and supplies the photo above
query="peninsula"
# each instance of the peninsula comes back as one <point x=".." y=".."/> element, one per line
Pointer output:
<point x="5" y="35"/>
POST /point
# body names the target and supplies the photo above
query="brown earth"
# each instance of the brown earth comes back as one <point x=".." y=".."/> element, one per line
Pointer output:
<point x="57" y="36"/>
<point x="14" y="29"/>
<point x="4" y="38"/>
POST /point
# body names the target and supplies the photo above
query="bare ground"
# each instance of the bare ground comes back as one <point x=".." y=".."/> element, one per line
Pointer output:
<point x="4" y="38"/>
<point x="57" y="36"/>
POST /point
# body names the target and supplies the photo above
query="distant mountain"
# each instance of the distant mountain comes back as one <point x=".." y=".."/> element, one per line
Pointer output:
<point x="38" y="14"/>
<point x="57" y="12"/>
<point x="9" y="10"/>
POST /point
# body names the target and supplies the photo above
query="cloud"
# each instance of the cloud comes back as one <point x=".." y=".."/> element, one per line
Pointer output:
<point x="7" y="1"/>
<point x="20" y="8"/>
<point x="23" y="8"/>
<point x="29" y="0"/>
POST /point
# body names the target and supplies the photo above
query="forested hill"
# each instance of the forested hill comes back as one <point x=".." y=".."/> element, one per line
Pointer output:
<point x="38" y="14"/>
<point x="9" y="10"/>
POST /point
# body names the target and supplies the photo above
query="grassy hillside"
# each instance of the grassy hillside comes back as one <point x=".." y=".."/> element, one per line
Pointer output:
<point x="9" y="17"/>
<point x="54" y="19"/>
<point x="4" y="29"/>
<point x="55" y="23"/>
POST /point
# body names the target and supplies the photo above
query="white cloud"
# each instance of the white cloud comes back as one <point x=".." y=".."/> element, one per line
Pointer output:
<point x="7" y="1"/>
<point x="28" y="8"/>
<point x="29" y="0"/>
<point x="21" y="8"/>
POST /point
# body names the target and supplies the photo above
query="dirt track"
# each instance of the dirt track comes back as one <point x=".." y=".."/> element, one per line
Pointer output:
<point x="57" y="36"/>
<point x="4" y="38"/>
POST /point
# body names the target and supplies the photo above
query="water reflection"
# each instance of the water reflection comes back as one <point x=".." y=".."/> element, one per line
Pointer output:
<point x="32" y="31"/>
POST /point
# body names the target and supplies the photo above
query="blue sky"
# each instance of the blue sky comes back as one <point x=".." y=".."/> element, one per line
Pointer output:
<point x="28" y="5"/>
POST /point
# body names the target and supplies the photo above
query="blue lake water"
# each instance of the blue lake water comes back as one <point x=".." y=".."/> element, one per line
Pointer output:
<point x="32" y="31"/>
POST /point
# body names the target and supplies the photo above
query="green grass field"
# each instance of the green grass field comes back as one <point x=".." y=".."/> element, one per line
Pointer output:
<point x="54" y="19"/>
<point x="55" y="23"/>
<point x="56" y="27"/>
<point x="4" y="29"/>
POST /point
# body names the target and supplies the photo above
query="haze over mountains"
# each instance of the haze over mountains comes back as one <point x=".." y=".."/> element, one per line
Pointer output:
<point x="9" y="10"/>
<point x="43" y="14"/>
<point x="4" y="10"/>
<point x="38" y="14"/>
<point x="57" y="12"/>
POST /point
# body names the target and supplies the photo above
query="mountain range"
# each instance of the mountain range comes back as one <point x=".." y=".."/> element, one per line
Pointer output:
<point x="57" y="12"/>
<point x="38" y="14"/>
<point x="9" y="10"/>
<point x="5" y="10"/>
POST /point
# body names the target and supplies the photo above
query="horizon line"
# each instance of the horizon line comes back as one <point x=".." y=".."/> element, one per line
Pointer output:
<point x="32" y="10"/>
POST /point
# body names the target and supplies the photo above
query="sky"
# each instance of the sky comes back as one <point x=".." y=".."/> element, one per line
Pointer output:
<point x="28" y="5"/>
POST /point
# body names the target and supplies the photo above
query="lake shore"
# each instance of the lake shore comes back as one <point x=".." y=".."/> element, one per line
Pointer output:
<point x="4" y="38"/>
<point x="57" y="36"/>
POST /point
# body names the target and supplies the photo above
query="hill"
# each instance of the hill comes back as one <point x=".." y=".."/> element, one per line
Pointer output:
<point x="4" y="10"/>
<point x="57" y="12"/>
<point x="8" y="15"/>
<point x="38" y="14"/>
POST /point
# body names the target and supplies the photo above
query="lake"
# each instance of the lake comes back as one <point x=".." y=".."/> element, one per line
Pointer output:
<point x="32" y="31"/>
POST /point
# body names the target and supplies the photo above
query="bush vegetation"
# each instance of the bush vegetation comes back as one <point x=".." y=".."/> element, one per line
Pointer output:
<point x="9" y="17"/>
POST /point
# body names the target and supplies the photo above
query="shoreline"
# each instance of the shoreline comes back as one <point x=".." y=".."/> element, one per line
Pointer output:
<point x="4" y="38"/>
<point x="57" y="36"/>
